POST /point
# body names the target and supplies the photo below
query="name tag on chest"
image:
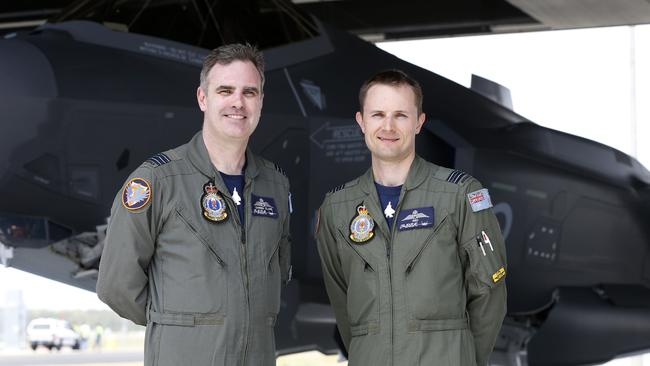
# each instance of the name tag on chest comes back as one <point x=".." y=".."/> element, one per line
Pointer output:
<point x="415" y="218"/>
<point x="263" y="206"/>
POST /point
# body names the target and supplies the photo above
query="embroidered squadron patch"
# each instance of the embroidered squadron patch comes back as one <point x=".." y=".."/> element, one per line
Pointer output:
<point x="362" y="225"/>
<point x="415" y="218"/>
<point x="213" y="205"/>
<point x="479" y="200"/>
<point x="263" y="206"/>
<point x="136" y="194"/>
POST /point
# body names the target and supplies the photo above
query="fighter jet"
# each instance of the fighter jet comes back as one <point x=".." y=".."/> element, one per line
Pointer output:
<point x="105" y="85"/>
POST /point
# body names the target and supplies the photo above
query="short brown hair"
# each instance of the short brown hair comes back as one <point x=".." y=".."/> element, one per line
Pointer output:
<point x="395" y="78"/>
<point x="228" y="53"/>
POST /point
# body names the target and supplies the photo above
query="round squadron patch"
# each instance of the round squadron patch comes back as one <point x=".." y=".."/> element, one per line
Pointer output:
<point x="136" y="194"/>
<point x="362" y="225"/>
<point x="213" y="205"/>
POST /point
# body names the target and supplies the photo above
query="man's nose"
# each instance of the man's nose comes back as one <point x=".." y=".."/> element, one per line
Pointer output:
<point x="237" y="100"/>
<point x="388" y="124"/>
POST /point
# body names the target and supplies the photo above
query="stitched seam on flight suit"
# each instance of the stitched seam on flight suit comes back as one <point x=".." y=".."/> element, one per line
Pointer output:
<point x="283" y="182"/>
<point x="343" y="200"/>
<point x="157" y="338"/>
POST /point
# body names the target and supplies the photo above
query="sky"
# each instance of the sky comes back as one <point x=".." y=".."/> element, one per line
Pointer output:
<point x="593" y="83"/>
<point x="588" y="82"/>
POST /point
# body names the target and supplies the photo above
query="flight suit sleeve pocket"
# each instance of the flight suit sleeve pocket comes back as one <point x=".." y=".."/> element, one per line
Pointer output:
<point x="485" y="263"/>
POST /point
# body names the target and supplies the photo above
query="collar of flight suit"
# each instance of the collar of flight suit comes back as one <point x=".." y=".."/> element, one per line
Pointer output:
<point x="417" y="174"/>
<point x="198" y="155"/>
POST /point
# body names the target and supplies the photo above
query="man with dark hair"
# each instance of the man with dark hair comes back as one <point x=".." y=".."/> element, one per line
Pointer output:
<point x="412" y="254"/>
<point x="198" y="241"/>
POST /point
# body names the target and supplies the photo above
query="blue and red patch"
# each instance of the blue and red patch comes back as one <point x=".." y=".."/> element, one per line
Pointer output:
<point x="136" y="194"/>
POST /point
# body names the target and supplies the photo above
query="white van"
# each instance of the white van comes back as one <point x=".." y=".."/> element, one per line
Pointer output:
<point x="52" y="333"/>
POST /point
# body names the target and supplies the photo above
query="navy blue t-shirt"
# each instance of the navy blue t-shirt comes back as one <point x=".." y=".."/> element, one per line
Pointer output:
<point x="235" y="185"/>
<point x="388" y="196"/>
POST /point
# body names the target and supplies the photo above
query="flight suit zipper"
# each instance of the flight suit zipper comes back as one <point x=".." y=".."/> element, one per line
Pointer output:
<point x="390" y="277"/>
<point x="244" y="262"/>
<point x="245" y="259"/>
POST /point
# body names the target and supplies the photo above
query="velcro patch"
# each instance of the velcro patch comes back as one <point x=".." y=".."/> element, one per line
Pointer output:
<point x="263" y="206"/>
<point x="480" y="200"/>
<point x="496" y="276"/>
<point x="415" y="218"/>
<point x="136" y="194"/>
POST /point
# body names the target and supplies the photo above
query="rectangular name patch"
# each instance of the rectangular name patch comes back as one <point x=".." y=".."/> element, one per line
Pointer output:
<point x="496" y="276"/>
<point x="263" y="206"/>
<point x="415" y="218"/>
<point x="480" y="200"/>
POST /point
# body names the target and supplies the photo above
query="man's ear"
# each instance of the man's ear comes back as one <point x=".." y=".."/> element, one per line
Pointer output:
<point x="421" y="119"/>
<point x="359" y="118"/>
<point x="200" y="98"/>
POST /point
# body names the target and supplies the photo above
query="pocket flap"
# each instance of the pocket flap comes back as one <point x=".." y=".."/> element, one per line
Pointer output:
<point x="364" y="329"/>
<point x="416" y="325"/>
<point x="199" y="234"/>
<point x="416" y="252"/>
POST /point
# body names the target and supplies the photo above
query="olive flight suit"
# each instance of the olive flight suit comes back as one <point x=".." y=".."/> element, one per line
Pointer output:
<point x="178" y="260"/>
<point x="429" y="291"/>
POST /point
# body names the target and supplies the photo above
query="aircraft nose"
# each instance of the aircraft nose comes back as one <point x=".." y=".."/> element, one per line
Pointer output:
<point x="25" y="70"/>
<point x="27" y="85"/>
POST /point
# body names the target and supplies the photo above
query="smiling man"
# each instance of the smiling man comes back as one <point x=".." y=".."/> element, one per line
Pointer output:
<point x="198" y="241"/>
<point x="412" y="254"/>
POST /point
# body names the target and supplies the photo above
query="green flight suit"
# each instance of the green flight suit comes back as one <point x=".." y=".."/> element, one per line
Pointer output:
<point x="208" y="292"/>
<point x="423" y="293"/>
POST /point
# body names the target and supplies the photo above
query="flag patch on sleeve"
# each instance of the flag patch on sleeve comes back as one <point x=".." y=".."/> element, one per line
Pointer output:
<point x="479" y="200"/>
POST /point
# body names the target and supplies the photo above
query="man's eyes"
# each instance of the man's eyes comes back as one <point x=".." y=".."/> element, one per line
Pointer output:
<point x="248" y="93"/>
<point x="381" y="115"/>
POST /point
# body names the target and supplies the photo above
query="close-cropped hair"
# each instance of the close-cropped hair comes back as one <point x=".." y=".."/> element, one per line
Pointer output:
<point x="394" y="78"/>
<point x="227" y="54"/>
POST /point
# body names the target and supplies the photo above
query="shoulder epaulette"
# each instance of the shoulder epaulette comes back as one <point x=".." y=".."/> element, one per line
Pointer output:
<point x="159" y="159"/>
<point x="336" y="189"/>
<point x="457" y="176"/>
<point x="277" y="167"/>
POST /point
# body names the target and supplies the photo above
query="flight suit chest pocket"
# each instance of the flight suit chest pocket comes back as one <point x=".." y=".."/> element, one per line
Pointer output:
<point x="486" y="263"/>
<point x="192" y="268"/>
<point x="433" y="275"/>
<point x="363" y="291"/>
